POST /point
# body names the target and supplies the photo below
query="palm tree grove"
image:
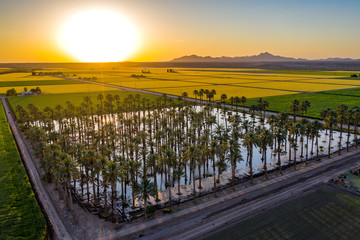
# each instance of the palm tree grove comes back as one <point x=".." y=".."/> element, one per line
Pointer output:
<point x="124" y="159"/>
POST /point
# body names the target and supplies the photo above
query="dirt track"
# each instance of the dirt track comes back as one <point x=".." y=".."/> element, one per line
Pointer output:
<point x="58" y="230"/>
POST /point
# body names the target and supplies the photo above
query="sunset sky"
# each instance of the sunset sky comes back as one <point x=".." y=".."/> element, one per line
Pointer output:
<point x="29" y="29"/>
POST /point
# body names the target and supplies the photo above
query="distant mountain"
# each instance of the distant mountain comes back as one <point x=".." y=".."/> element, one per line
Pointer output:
<point x="262" y="57"/>
<point x="337" y="59"/>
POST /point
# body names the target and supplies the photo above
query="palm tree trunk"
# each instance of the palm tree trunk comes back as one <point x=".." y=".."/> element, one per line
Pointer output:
<point x="214" y="175"/>
<point x="265" y="163"/>
<point x="105" y="199"/>
<point x="194" y="189"/>
<point x="199" y="169"/>
<point x="251" y="166"/>
<point x="170" y="197"/>
<point x="329" y="147"/>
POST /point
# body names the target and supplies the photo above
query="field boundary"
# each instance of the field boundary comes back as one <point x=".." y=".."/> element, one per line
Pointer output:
<point x="58" y="230"/>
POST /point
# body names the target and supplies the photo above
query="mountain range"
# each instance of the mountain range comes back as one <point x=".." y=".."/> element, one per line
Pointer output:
<point x="262" y="57"/>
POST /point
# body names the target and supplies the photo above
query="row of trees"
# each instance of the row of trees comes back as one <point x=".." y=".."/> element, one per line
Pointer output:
<point x="13" y="92"/>
<point x="113" y="152"/>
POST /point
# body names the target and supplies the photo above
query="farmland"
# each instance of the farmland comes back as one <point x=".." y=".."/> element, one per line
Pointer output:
<point x="279" y="88"/>
<point x="110" y="141"/>
<point x="67" y="88"/>
<point x="324" y="214"/>
<point x="20" y="215"/>
<point x="319" y="101"/>
<point x="233" y="82"/>
<point x="52" y="100"/>
<point x="47" y="84"/>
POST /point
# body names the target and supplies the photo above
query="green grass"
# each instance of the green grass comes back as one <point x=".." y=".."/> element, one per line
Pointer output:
<point x="20" y="214"/>
<point x="319" y="101"/>
<point x="42" y="101"/>
<point x="324" y="214"/>
<point x="347" y="92"/>
<point x="36" y="83"/>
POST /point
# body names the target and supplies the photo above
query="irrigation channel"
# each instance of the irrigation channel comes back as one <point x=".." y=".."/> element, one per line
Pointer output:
<point x="184" y="149"/>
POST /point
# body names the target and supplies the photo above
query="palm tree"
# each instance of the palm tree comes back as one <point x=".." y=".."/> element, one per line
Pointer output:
<point x="223" y="98"/>
<point x="249" y="141"/>
<point x="356" y="116"/>
<point x="114" y="174"/>
<point x="214" y="148"/>
<point x="68" y="170"/>
<point x="234" y="157"/>
<point x="144" y="190"/>
<point x="213" y="92"/>
<point x="330" y="122"/>
<point x="265" y="139"/>
<point x="294" y="108"/>
<point x="132" y="167"/>
<point x="196" y="93"/>
<point x="193" y="155"/>
<point x="342" y="114"/>
<point x="237" y="100"/>
<point x="304" y="107"/>
<point x="243" y="100"/>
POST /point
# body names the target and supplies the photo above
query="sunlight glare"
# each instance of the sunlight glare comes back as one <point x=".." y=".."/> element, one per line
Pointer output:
<point x="99" y="36"/>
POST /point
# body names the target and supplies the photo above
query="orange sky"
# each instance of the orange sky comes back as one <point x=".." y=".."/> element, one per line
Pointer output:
<point x="169" y="29"/>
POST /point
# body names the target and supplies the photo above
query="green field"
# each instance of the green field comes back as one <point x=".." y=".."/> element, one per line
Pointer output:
<point x="347" y="92"/>
<point x="319" y="101"/>
<point x="42" y="101"/>
<point x="20" y="214"/>
<point x="327" y="213"/>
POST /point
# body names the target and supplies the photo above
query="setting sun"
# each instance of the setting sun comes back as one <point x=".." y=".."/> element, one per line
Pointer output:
<point x="99" y="36"/>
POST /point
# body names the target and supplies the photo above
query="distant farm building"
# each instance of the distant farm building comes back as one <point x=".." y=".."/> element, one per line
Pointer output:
<point x="27" y="93"/>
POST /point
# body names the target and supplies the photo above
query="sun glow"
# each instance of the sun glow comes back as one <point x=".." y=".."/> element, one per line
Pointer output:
<point x="99" y="36"/>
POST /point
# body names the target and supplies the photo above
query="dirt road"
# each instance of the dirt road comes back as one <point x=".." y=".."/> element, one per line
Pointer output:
<point x="58" y="230"/>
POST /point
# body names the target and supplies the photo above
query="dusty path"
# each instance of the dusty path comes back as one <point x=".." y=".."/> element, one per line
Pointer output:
<point x="58" y="229"/>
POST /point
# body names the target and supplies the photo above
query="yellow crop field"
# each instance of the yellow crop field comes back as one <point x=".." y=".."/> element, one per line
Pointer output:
<point x="223" y="89"/>
<point x="68" y="88"/>
<point x="233" y="82"/>
<point x="158" y="84"/>
<point x="24" y="77"/>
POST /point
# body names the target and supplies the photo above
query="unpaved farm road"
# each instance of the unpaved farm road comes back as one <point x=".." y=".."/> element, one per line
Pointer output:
<point x="57" y="227"/>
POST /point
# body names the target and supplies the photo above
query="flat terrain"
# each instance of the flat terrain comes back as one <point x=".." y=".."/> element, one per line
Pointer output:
<point x="20" y="214"/>
<point x="233" y="82"/>
<point x="47" y="84"/>
<point x="327" y="213"/>
<point x="277" y="87"/>
<point x="319" y="101"/>
<point x="42" y="101"/>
